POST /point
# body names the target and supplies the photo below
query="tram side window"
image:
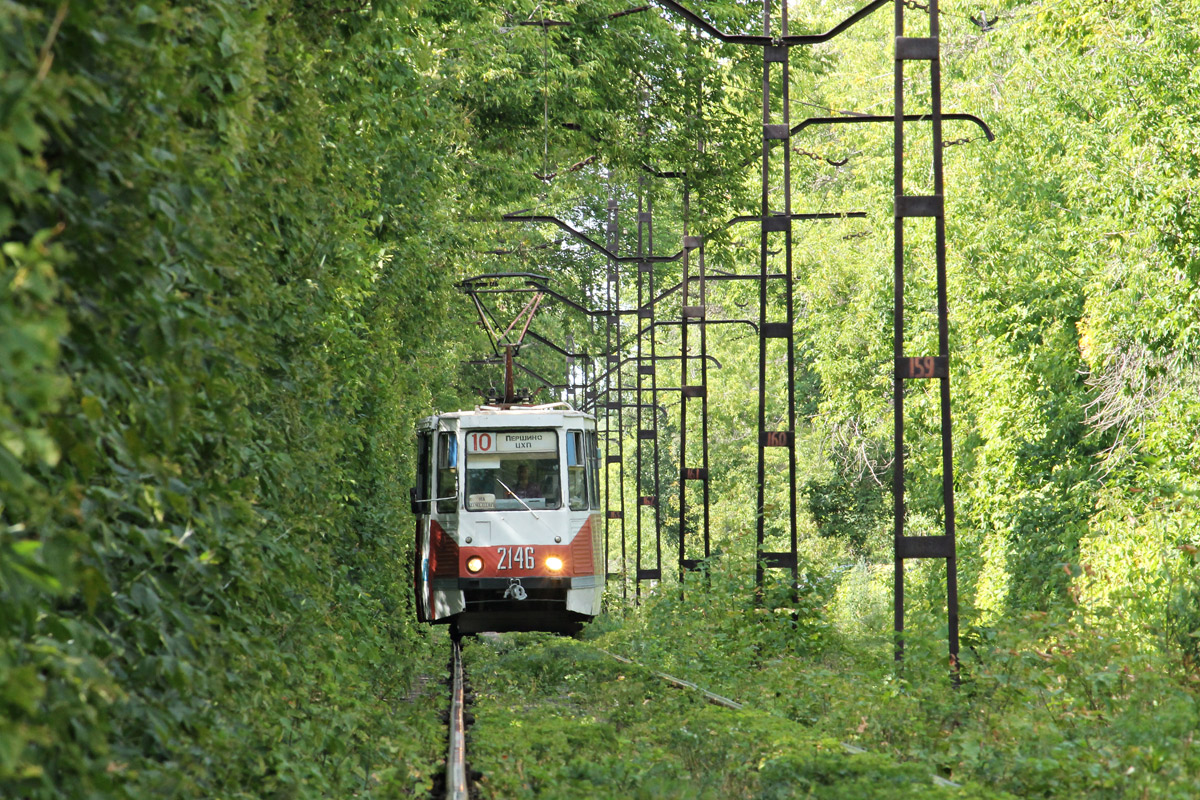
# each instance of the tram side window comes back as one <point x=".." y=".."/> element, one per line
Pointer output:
<point x="447" y="474"/>
<point x="593" y="467"/>
<point x="421" y="494"/>
<point x="577" y="471"/>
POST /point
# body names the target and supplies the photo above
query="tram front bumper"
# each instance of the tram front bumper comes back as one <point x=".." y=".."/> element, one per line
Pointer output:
<point x="584" y="582"/>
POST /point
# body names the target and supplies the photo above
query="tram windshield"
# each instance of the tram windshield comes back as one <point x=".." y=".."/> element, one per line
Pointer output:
<point x="512" y="470"/>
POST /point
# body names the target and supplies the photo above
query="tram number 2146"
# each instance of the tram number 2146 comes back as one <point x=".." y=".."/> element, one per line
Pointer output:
<point x="515" y="558"/>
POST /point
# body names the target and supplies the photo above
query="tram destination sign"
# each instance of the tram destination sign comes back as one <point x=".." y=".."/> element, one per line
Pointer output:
<point x="512" y="442"/>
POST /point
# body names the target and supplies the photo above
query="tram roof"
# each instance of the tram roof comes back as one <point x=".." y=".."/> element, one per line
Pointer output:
<point x="548" y="414"/>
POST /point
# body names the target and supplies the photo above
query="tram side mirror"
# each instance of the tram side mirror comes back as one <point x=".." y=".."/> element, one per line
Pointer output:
<point x="414" y="503"/>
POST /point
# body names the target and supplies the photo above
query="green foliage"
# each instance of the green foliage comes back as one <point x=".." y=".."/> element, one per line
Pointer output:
<point x="1183" y="608"/>
<point x="723" y="602"/>
<point x="847" y="508"/>
<point x="218" y="316"/>
<point x="1046" y="705"/>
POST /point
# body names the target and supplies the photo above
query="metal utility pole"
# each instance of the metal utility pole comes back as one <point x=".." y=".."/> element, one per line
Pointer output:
<point x="908" y="209"/>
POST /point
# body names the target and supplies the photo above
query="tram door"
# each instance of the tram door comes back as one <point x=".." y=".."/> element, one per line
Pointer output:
<point x="421" y="497"/>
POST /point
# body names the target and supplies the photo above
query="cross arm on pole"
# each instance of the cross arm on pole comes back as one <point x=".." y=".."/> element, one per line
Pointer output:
<point x="772" y="41"/>
<point x="859" y="118"/>
<point x="589" y="241"/>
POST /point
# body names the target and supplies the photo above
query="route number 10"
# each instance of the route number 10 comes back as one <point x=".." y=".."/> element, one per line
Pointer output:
<point x="479" y="442"/>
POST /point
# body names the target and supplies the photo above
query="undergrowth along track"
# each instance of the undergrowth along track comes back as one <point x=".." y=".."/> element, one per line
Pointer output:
<point x="719" y="700"/>
<point x="560" y="717"/>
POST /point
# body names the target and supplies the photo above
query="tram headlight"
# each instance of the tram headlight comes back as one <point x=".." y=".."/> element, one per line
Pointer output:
<point x="554" y="563"/>
<point x="474" y="564"/>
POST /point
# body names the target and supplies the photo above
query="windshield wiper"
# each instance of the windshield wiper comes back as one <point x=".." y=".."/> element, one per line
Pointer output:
<point x="518" y="499"/>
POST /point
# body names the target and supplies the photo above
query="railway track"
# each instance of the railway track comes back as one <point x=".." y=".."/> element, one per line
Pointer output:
<point x="456" y="755"/>
<point x="457" y="775"/>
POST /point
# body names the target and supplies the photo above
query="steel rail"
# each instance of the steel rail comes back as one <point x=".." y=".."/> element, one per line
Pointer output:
<point x="678" y="683"/>
<point x="456" y="755"/>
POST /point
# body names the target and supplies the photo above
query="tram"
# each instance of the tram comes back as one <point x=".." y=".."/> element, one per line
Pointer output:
<point x="508" y="524"/>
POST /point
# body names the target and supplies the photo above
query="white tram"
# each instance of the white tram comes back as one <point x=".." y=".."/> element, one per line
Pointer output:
<point x="508" y="522"/>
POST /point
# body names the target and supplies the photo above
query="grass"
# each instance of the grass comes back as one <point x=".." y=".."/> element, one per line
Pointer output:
<point x="1047" y="704"/>
<point x="557" y="718"/>
<point x="1050" y="704"/>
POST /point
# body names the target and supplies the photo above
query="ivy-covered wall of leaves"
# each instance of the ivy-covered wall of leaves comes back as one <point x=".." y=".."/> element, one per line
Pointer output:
<point x="219" y="296"/>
